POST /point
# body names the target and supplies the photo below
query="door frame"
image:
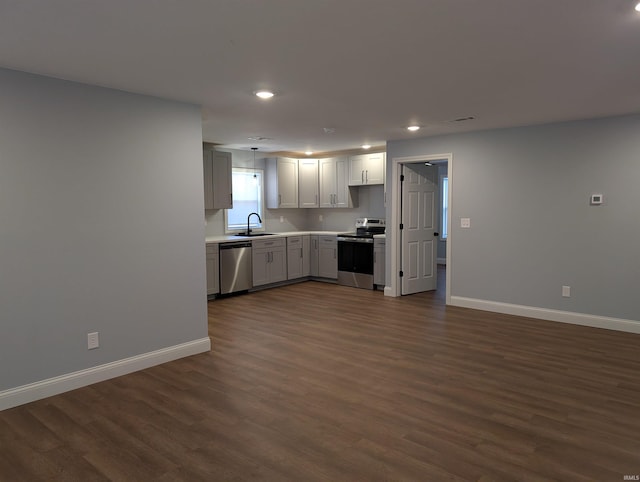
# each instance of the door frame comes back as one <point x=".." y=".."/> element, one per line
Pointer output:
<point x="395" y="247"/>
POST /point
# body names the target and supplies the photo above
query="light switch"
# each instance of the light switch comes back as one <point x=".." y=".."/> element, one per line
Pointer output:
<point x="465" y="222"/>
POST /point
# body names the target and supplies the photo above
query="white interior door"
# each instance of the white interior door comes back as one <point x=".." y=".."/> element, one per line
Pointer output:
<point x="418" y="233"/>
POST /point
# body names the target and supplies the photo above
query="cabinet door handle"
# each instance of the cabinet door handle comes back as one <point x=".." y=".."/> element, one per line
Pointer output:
<point x="301" y="252"/>
<point x="366" y="176"/>
<point x="316" y="196"/>
<point x="279" y="200"/>
<point x="231" y="198"/>
<point x="362" y="177"/>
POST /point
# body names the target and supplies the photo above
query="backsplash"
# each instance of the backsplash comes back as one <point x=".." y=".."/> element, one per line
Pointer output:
<point x="371" y="203"/>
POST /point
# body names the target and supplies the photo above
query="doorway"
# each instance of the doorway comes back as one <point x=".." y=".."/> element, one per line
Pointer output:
<point x="418" y="227"/>
<point x="415" y="261"/>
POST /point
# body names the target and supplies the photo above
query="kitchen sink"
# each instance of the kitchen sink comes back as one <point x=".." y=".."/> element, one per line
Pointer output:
<point x="251" y="235"/>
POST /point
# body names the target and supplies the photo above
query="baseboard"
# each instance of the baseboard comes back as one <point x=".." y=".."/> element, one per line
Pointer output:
<point x="70" y="381"/>
<point x="618" y="324"/>
<point x="388" y="291"/>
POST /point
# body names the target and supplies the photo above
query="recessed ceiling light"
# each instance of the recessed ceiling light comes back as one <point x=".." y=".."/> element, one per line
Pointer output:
<point x="638" y="7"/>
<point x="264" y="94"/>
<point x="308" y="153"/>
<point x="413" y="128"/>
<point x="366" y="146"/>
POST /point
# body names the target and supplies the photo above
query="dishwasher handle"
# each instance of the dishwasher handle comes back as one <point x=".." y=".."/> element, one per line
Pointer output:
<point x="243" y="244"/>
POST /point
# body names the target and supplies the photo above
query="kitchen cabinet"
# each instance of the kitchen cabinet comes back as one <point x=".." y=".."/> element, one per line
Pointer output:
<point x="367" y="169"/>
<point x="282" y="182"/>
<point x="379" y="245"/>
<point x="306" y="259"/>
<point x="298" y="265"/>
<point x="217" y="171"/>
<point x="213" y="268"/>
<point x="269" y="259"/>
<point x="308" y="183"/>
<point x="313" y="255"/>
<point x="333" y="180"/>
<point x="328" y="257"/>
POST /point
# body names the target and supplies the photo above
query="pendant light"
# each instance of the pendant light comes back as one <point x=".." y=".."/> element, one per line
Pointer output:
<point x="255" y="176"/>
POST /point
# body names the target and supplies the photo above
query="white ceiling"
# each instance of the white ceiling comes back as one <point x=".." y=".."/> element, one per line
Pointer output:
<point x="366" y="68"/>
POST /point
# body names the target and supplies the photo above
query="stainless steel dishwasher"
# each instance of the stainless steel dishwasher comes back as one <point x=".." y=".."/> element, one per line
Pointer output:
<point x="235" y="267"/>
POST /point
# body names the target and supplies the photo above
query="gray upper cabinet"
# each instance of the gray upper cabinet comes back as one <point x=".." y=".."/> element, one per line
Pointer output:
<point x="281" y="182"/>
<point x="308" y="183"/>
<point x="217" y="170"/>
<point x="367" y="169"/>
<point x="334" y="185"/>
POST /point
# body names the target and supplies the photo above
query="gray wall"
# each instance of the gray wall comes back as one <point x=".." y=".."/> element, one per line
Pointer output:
<point x="527" y="192"/>
<point x="100" y="226"/>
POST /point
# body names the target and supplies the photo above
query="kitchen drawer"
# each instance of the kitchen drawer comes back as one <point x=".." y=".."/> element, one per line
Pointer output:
<point x="327" y="239"/>
<point x="294" y="241"/>
<point x="268" y="243"/>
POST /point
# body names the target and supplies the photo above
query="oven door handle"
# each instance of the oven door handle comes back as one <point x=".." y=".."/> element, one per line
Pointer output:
<point x="354" y="240"/>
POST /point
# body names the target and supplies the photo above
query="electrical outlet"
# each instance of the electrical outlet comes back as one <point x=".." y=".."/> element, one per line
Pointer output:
<point x="566" y="291"/>
<point x="93" y="341"/>
<point x="465" y="222"/>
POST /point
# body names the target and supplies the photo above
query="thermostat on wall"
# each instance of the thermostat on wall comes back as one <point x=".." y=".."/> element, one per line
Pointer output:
<point x="596" y="199"/>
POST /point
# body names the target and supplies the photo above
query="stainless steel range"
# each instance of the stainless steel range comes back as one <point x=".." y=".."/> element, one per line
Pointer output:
<point x="355" y="253"/>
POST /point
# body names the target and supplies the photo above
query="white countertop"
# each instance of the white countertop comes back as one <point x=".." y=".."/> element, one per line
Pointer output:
<point x="225" y="238"/>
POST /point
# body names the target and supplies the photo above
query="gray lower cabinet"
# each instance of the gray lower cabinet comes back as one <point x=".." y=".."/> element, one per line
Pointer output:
<point x="269" y="259"/>
<point x="298" y="265"/>
<point x="327" y="257"/>
<point x="313" y="254"/>
<point x="378" y="261"/>
<point x="213" y="276"/>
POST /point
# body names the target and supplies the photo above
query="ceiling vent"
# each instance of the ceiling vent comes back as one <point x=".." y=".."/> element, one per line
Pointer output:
<point x="462" y="119"/>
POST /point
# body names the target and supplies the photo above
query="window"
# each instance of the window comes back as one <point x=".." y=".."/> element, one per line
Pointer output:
<point x="248" y="197"/>
<point x="444" y="183"/>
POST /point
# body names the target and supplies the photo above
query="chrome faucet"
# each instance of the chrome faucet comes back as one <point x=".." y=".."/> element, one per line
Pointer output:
<point x="248" y="224"/>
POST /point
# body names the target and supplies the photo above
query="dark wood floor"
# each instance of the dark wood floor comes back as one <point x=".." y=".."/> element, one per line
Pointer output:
<point x="321" y="382"/>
